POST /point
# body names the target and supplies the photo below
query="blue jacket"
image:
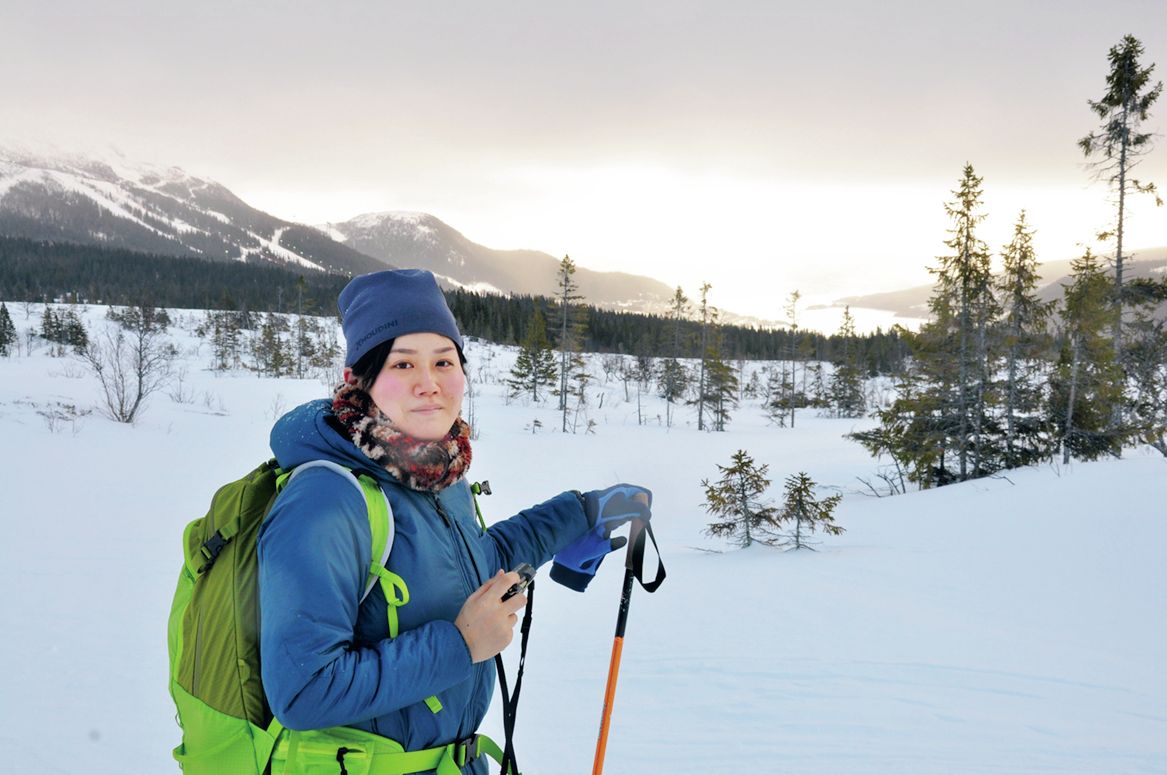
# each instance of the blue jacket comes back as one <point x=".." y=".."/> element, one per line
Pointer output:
<point x="327" y="661"/>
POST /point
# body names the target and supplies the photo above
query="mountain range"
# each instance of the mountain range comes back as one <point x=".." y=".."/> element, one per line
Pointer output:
<point x="421" y="240"/>
<point x="105" y="199"/>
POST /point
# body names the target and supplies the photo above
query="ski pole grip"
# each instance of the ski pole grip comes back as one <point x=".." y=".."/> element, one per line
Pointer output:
<point x="634" y="534"/>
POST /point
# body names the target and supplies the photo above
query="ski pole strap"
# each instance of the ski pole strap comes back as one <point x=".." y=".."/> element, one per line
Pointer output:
<point x="634" y="558"/>
<point x="510" y="702"/>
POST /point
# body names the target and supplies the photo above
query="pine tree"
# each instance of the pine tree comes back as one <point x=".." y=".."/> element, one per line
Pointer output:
<point x="846" y="386"/>
<point x="571" y="329"/>
<point x="272" y="355"/>
<point x="807" y="514"/>
<point x="753" y="386"/>
<point x="1146" y="360"/>
<point x="7" y="331"/>
<point x="577" y="392"/>
<point x="643" y="371"/>
<point x="793" y="351"/>
<point x="327" y="354"/>
<point x="1120" y="144"/>
<point x="736" y="498"/>
<point x="72" y="331"/>
<point x="679" y="311"/>
<point x="776" y="401"/>
<point x="1025" y="341"/>
<point x="303" y="347"/>
<point x="534" y="367"/>
<point x="912" y="431"/>
<point x="708" y="317"/>
<point x="1087" y="384"/>
<point x="50" y="326"/>
<point x="721" y="386"/>
<point x="952" y="361"/>
<point x="673" y="379"/>
<point x="223" y="329"/>
<point x="966" y="280"/>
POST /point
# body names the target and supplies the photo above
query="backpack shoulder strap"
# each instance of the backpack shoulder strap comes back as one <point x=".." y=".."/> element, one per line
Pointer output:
<point x="381" y="527"/>
<point x="380" y="512"/>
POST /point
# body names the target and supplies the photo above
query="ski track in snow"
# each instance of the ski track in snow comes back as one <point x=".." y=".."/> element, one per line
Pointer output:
<point x="273" y="245"/>
<point x="990" y="627"/>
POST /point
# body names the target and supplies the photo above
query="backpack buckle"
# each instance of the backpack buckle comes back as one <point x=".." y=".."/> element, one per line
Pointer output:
<point x="211" y="549"/>
<point x="466" y="751"/>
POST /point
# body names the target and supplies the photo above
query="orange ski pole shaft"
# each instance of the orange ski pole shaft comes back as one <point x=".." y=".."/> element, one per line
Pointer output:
<point x="617" y="650"/>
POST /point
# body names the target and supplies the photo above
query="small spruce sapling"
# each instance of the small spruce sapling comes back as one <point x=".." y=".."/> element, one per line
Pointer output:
<point x="8" y="335"/>
<point x="807" y="514"/>
<point x="736" y="498"/>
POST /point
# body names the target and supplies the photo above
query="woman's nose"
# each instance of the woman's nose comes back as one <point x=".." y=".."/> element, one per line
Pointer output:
<point x="427" y="381"/>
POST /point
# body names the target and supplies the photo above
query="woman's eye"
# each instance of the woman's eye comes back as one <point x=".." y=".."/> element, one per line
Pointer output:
<point x="402" y="365"/>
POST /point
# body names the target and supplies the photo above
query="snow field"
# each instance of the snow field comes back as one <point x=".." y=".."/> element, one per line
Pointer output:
<point x="999" y="626"/>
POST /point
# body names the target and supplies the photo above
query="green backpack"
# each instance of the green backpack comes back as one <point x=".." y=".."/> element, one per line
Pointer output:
<point x="213" y="636"/>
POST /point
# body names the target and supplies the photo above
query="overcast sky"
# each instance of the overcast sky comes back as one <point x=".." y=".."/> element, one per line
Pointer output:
<point x="762" y="146"/>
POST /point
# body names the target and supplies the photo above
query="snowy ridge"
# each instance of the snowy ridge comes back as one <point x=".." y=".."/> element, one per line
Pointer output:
<point x="407" y="238"/>
<point x="100" y="197"/>
<point x="106" y="194"/>
<point x="404" y="220"/>
<point x="104" y="198"/>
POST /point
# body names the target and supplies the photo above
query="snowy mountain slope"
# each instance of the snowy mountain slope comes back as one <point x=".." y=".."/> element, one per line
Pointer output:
<point x="109" y="200"/>
<point x="999" y="626"/>
<point x="417" y="239"/>
<point x="102" y="198"/>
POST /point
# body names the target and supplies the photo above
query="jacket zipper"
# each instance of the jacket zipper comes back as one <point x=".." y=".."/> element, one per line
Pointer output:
<point x="441" y="510"/>
<point x="454" y="529"/>
<point x="481" y="667"/>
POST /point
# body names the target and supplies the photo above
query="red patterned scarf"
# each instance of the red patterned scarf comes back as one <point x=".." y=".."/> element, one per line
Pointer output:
<point x="427" y="466"/>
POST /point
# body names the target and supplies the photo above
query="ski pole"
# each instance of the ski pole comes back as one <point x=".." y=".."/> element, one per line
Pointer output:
<point x="618" y="644"/>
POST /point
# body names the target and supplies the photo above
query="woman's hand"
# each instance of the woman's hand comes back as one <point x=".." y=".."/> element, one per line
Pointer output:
<point x="486" y="621"/>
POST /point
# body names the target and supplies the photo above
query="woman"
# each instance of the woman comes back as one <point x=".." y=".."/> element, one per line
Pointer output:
<point x="328" y="659"/>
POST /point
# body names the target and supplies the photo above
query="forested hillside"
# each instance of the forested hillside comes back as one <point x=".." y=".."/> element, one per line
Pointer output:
<point x="35" y="271"/>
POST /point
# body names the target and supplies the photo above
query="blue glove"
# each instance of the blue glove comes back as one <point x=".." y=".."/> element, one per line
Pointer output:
<point x="576" y="564"/>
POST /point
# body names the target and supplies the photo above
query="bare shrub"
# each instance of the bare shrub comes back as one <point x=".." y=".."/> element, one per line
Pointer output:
<point x="131" y="362"/>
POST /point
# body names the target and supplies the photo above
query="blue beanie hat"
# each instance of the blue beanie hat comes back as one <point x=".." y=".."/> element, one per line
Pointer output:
<point x="377" y="307"/>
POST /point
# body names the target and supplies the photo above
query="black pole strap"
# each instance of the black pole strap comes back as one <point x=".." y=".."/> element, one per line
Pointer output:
<point x="634" y="558"/>
<point x="510" y="702"/>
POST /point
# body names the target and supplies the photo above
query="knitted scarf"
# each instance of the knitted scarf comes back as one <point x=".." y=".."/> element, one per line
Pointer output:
<point x="426" y="466"/>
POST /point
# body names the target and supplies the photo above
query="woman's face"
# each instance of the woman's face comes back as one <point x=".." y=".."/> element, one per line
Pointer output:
<point x="420" y="385"/>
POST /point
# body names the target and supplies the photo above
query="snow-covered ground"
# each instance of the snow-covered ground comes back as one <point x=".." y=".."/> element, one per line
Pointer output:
<point x="1000" y="626"/>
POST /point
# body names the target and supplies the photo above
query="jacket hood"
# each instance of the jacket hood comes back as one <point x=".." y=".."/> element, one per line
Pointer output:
<point x="304" y="434"/>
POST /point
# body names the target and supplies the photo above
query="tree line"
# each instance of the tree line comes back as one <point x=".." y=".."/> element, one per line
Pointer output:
<point x="32" y="270"/>
<point x="507" y="320"/>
